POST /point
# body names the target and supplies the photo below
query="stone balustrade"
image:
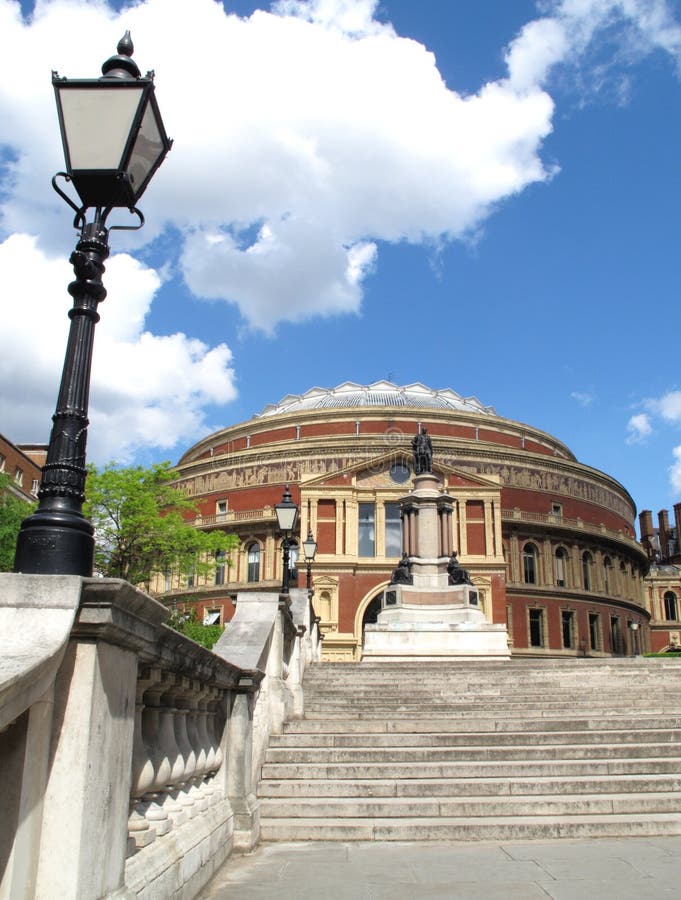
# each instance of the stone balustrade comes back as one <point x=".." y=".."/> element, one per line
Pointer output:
<point x="129" y="755"/>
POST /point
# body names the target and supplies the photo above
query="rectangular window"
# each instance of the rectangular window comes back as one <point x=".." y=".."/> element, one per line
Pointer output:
<point x="35" y="485"/>
<point x="567" y="624"/>
<point x="536" y="628"/>
<point x="212" y="617"/>
<point x="595" y="631"/>
<point x="556" y="510"/>
<point x="2" y="463"/>
<point x="393" y="530"/>
<point x="19" y="476"/>
<point x="366" y="537"/>
<point x="221" y="509"/>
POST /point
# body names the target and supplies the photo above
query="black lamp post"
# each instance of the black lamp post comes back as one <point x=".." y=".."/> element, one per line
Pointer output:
<point x="309" y="551"/>
<point x="287" y="517"/>
<point x="114" y="141"/>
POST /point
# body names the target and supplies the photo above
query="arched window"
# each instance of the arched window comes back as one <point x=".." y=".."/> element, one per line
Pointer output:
<point x="253" y="562"/>
<point x="587" y="562"/>
<point x="530" y="564"/>
<point x="325" y="606"/>
<point x="561" y="565"/>
<point x="607" y="575"/>
<point x="623" y="580"/>
<point x="671" y="609"/>
<point x="220" y="563"/>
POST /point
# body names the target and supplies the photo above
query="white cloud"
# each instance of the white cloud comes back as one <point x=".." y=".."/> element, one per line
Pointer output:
<point x="147" y="391"/>
<point x="668" y="407"/>
<point x="312" y="134"/>
<point x="663" y="410"/>
<point x="303" y="138"/>
<point x="584" y="398"/>
<point x="574" y="28"/>
<point x="675" y="470"/>
<point x="638" y="428"/>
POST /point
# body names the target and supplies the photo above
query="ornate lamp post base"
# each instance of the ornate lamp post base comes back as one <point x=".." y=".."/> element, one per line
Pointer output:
<point x="55" y="543"/>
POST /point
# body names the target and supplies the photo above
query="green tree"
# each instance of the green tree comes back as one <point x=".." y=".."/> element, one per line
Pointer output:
<point x="140" y="525"/>
<point x="13" y="510"/>
<point x="185" y="623"/>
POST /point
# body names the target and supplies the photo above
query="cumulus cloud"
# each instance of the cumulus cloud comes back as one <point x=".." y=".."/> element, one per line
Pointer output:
<point x="317" y="133"/>
<point x="147" y="391"/>
<point x="663" y="410"/>
<point x="638" y="428"/>
<point x="573" y="31"/>
<point x="304" y="137"/>
<point x="675" y="470"/>
<point x="668" y="407"/>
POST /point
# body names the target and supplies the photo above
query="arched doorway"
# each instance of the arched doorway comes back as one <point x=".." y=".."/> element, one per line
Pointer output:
<point x="371" y="612"/>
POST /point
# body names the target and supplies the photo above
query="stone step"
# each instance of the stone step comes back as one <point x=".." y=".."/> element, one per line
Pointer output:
<point x="325" y="755"/>
<point x="428" y="714"/>
<point x="492" y="723"/>
<point x="429" y="807"/>
<point x="461" y="750"/>
<point x="465" y="829"/>
<point x="472" y="769"/>
<point x="547" y="698"/>
<point x="470" y="787"/>
<point x="467" y="738"/>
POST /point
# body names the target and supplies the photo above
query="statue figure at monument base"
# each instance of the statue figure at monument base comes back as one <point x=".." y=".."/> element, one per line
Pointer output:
<point x="457" y="574"/>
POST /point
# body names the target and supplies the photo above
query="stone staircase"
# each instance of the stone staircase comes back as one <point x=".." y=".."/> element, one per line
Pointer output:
<point x="478" y="751"/>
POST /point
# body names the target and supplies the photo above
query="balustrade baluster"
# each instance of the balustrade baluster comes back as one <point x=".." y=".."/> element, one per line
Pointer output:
<point x="139" y="829"/>
<point x="182" y="703"/>
<point x="168" y="737"/>
<point x="152" y="801"/>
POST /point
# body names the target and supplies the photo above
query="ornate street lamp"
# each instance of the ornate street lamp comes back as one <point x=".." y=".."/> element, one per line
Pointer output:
<point x="114" y="141"/>
<point x="287" y="517"/>
<point x="309" y="551"/>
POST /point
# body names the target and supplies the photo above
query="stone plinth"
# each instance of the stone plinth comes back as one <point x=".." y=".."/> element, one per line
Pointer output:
<point x="431" y="617"/>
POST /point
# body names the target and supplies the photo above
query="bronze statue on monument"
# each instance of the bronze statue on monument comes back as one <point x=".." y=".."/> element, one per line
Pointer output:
<point x="457" y="574"/>
<point x="422" y="447"/>
<point x="402" y="574"/>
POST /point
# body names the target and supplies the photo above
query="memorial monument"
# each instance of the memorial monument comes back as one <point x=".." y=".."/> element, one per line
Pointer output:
<point x="431" y="607"/>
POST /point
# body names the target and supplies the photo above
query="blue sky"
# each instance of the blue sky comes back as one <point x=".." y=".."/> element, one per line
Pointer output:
<point x="501" y="217"/>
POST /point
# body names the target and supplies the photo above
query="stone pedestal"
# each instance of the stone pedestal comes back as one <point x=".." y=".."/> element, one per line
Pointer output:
<point x="430" y="617"/>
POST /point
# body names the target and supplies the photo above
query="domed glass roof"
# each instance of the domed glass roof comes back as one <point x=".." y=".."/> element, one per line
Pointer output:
<point x="380" y="393"/>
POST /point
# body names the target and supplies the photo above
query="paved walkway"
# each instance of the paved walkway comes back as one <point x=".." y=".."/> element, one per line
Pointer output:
<point x="617" y="868"/>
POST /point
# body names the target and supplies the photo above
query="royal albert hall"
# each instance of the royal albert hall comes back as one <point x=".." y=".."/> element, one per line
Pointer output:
<point x="548" y="541"/>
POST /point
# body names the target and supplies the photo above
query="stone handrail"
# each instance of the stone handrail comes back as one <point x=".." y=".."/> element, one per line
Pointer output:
<point x="236" y="515"/>
<point x="557" y="519"/>
<point x="112" y="719"/>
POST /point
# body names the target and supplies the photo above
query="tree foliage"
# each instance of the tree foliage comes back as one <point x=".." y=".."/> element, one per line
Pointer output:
<point x="13" y="510"/>
<point x="185" y="623"/>
<point x="140" y="528"/>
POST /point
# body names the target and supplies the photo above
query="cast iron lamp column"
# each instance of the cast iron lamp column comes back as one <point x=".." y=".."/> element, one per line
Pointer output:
<point x="287" y="517"/>
<point x="114" y="140"/>
<point x="309" y="551"/>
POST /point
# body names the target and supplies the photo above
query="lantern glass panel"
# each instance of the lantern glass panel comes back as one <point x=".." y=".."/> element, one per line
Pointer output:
<point x="309" y="549"/>
<point x="148" y="148"/>
<point x="287" y="514"/>
<point x="97" y="123"/>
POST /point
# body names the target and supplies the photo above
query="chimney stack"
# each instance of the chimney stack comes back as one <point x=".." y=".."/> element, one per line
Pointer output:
<point x="677" y="519"/>
<point x="663" y="534"/>
<point x="645" y="524"/>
